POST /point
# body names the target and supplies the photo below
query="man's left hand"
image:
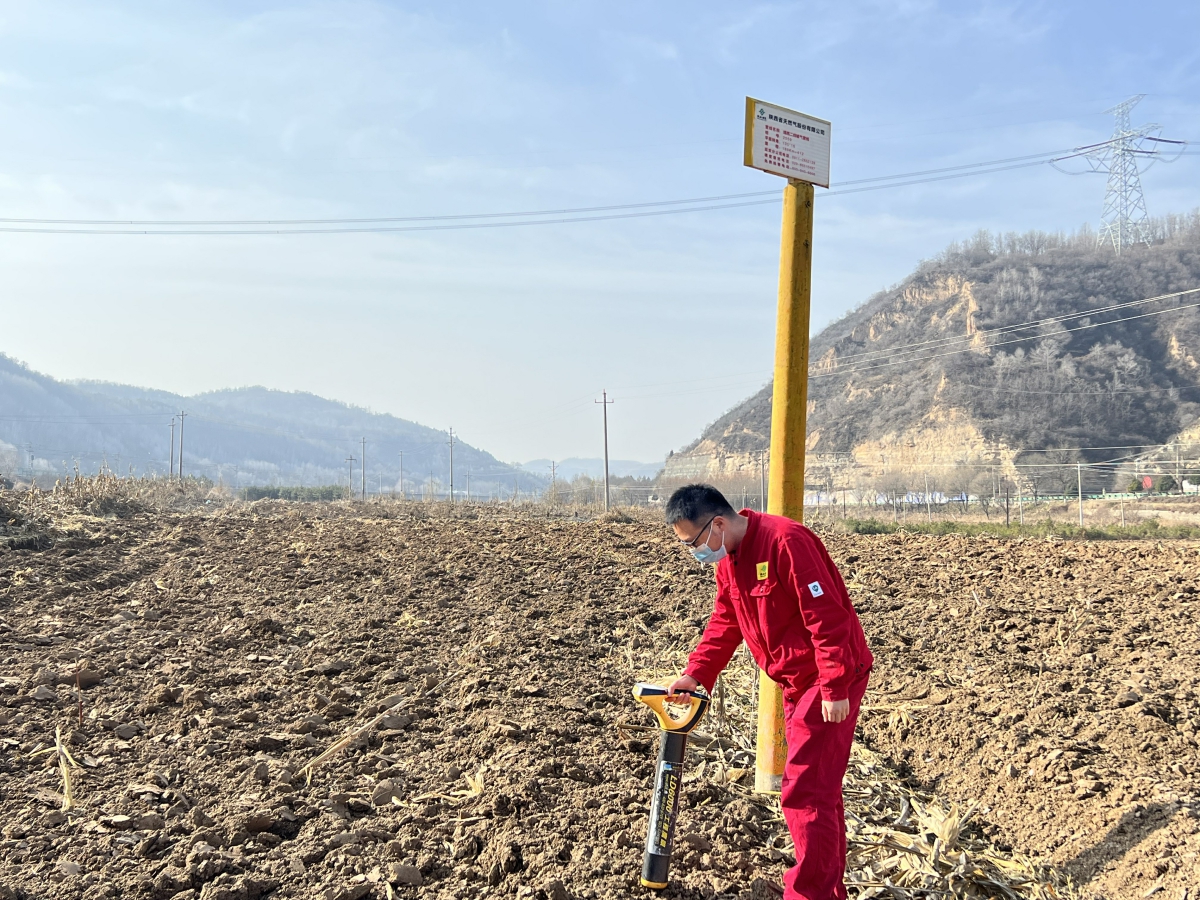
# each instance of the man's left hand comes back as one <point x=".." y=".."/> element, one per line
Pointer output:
<point x="835" y="710"/>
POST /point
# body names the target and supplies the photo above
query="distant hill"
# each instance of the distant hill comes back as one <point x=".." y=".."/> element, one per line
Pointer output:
<point x="1005" y="350"/>
<point x="567" y="469"/>
<point x="247" y="436"/>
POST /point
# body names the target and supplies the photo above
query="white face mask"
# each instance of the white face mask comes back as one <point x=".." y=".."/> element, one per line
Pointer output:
<point x="706" y="554"/>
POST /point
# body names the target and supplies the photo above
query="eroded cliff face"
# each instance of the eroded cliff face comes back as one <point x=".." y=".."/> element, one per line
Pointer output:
<point x="708" y="461"/>
<point x="942" y="439"/>
<point x="946" y="305"/>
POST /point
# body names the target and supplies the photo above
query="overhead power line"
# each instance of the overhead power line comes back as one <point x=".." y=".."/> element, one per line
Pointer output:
<point x="465" y="221"/>
<point x="999" y="330"/>
<point x="1041" y="157"/>
<point x="463" y="226"/>
<point x="1155" y="390"/>
<point x="930" y="350"/>
<point x="1090" y="325"/>
<point x="878" y="359"/>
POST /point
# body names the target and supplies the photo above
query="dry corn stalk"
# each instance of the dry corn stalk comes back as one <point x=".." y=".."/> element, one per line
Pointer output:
<point x="65" y="763"/>
<point x="899" y="717"/>
<point x="352" y="734"/>
<point x="474" y="784"/>
<point x="343" y="742"/>
<point x="931" y="853"/>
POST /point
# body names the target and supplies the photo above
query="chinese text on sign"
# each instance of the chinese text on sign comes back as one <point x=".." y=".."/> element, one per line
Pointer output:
<point x="785" y="142"/>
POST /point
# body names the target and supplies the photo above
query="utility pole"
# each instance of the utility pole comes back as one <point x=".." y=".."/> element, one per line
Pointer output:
<point x="928" y="508"/>
<point x="762" y="481"/>
<point x="553" y="480"/>
<point x="1020" y="501"/>
<point x="604" y="405"/>
<point x="350" y="478"/>
<point x="468" y="486"/>
<point x="182" y="416"/>
<point x="403" y="496"/>
<point x="364" y="469"/>
<point x="172" y="475"/>
<point x="1079" y="479"/>
<point x="789" y="411"/>
<point x="451" y="465"/>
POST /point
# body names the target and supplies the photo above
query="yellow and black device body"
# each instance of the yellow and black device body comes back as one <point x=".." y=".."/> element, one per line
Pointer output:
<point x="676" y="721"/>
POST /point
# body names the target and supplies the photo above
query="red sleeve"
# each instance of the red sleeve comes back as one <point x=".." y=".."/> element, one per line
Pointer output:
<point x="830" y="624"/>
<point x="721" y="638"/>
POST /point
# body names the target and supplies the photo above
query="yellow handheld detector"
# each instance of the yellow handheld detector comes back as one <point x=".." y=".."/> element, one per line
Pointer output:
<point x="676" y="720"/>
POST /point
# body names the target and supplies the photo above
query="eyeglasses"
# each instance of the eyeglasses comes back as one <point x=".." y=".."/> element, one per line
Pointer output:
<point x="696" y="540"/>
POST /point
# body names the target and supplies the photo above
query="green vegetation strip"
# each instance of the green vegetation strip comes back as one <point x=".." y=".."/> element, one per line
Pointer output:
<point x="1149" y="529"/>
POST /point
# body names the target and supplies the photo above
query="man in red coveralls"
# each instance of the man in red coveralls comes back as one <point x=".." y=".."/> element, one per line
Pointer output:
<point x="778" y="590"/>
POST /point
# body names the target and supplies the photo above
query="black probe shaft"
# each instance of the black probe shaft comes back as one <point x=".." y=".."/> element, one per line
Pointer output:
<point x="664" y="808"/>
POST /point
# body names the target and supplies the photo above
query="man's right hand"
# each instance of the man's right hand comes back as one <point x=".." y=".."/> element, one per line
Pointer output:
<point x="684" y="684"/>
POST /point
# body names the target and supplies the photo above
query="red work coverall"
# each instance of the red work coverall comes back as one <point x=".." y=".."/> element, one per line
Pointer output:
<point x="781" y="593"/>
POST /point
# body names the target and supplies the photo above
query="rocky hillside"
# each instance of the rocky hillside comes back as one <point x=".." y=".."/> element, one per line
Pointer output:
<point x="1003" y="350"/>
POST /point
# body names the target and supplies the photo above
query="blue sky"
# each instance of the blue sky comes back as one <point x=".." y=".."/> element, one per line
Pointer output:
<point x="352" y="109"/>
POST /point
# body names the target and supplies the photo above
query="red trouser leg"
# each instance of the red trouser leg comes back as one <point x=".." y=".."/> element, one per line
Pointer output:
<point x="818" y="752"/>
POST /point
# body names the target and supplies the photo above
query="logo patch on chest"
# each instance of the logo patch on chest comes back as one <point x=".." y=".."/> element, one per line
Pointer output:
<point x="814" y="588"/>
<point x="762" y="571"/>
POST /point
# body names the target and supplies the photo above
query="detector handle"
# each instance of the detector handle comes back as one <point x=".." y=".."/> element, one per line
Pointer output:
<point x="673" y="717"/>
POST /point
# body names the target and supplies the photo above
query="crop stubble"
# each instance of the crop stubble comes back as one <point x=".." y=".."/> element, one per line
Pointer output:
<point x="1054" y="683"/>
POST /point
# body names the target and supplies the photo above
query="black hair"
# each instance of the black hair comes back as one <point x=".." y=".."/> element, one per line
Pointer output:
<point x="697" y="502"/>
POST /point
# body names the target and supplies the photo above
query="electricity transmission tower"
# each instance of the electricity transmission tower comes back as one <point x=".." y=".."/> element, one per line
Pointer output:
<point x="1123" y="221"/>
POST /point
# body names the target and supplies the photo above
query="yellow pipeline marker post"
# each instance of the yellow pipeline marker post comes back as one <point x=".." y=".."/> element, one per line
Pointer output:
<point x="785" y="142"/>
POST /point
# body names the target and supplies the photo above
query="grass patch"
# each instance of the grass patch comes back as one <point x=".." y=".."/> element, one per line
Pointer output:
<point x="304" y="494"/>
<point x="1147" y="530"/>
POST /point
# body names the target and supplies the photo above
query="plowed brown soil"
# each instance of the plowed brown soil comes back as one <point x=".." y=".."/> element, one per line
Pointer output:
<point x="195" y="663"/>
<point x="1056" y="682"/>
